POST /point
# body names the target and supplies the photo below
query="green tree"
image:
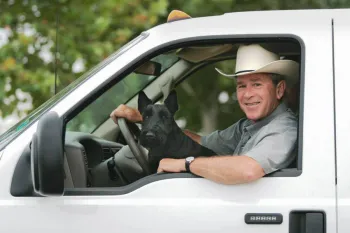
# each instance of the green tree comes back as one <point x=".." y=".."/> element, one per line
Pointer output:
<point x="71" y="31"/>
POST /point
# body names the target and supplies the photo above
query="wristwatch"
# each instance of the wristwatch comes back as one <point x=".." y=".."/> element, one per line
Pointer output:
<point x="188" y="160"/>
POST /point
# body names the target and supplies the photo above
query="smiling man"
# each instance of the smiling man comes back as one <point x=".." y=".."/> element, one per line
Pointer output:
<point x="259" y="144"/>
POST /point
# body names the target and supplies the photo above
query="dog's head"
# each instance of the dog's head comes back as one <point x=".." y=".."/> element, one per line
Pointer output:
<point x="158" y="120"/>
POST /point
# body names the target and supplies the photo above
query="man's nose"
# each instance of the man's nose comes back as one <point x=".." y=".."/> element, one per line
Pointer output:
<point x="248" y="92"/>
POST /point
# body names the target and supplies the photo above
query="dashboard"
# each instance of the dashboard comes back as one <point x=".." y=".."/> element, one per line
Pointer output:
<point x="92" y="149"/>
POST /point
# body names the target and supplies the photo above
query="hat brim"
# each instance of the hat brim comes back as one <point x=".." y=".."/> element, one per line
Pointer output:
<point x="287" y="68"/>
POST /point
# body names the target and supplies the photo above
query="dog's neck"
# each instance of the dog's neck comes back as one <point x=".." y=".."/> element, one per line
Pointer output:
<point x="176" y="136"/>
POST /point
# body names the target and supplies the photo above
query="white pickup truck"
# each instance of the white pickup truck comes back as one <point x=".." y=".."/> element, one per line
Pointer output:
<point x="59" y="170"/>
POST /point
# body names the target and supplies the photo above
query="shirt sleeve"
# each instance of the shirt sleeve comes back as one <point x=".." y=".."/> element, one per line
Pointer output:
<point x="275" y="150"/>
<point x="223" y="142"/>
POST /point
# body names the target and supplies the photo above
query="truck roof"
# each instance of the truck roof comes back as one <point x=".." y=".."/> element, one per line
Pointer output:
<point x="264" y="22"/>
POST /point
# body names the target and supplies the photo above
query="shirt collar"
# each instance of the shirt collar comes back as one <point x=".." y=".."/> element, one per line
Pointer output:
<point x="251" y="127"/>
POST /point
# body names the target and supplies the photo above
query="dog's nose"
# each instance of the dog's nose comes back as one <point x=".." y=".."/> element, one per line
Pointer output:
<point x="150" y="135"/>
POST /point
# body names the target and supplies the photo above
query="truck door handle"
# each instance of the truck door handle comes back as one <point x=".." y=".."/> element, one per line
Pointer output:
<point x="307" y="222"/>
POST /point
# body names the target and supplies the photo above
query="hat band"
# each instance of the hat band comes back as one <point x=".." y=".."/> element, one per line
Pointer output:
<point x="242" y="71"/>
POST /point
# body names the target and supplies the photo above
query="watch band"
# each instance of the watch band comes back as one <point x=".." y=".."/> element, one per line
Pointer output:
<point x="188" y="162"/>
<point x="187" y="165"/>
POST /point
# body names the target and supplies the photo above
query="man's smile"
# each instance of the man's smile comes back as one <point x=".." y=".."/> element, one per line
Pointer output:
<point x="252" y="104"/>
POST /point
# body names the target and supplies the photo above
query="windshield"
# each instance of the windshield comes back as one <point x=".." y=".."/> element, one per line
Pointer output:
<point x="98" y="111"/>
<point x="10" y="134"/>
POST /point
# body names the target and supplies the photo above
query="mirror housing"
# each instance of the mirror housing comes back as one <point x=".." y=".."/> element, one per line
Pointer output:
<point x="149" y="68"/>
<point x="47" y="156"/>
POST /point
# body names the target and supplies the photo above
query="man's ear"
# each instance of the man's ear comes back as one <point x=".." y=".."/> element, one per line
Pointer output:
<point x="280" y="89"/>
<point x="171" y="102"/>
<point x="143" y="101"/>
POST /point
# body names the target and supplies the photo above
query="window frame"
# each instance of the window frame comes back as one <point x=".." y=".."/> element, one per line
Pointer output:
<point x="258" y="38"/>
<point x="287" y="172"/>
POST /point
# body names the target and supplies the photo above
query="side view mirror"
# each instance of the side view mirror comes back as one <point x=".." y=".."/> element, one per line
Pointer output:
<point x="149" y="68"/>
<point x="47" y="156"/>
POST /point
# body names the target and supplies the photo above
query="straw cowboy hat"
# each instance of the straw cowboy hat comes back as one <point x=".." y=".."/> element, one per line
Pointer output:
<point x="253" y="59"/>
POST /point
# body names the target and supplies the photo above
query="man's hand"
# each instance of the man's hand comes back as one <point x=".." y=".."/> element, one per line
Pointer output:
<point x="171" y="165"/>
<point x="126" y="112"/>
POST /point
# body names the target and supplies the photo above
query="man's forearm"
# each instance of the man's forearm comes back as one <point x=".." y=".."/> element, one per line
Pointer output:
<point x="193" y="136"/>
<point x="227" y="169"/>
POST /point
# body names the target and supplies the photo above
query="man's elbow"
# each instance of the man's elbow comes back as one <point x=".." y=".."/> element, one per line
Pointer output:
<point x="249" y="174"/>
<point x="253" y="173"/>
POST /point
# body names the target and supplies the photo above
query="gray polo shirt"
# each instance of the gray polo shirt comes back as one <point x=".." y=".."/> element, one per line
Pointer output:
<point x="270" y="141"/>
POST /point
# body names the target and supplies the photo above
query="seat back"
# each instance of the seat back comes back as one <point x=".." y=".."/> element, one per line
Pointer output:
<point x="75" y="167"/>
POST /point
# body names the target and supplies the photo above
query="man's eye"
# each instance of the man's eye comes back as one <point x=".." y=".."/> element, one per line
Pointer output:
<point x="257" y="84"/>
<point x="240" y="86"/>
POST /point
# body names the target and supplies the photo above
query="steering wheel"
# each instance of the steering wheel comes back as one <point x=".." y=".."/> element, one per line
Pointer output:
<point x="129" y="136"/>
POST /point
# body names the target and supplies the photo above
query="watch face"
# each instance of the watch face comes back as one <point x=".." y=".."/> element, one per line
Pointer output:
<point x="189" y="159"/>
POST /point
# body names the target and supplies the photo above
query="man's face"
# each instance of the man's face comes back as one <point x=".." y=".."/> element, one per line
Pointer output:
<point x="257" y="95"/>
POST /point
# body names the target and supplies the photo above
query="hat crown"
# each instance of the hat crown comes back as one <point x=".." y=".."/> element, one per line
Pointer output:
<point x="253" y="57"/>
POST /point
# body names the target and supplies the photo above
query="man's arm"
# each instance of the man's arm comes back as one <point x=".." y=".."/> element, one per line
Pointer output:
<point x="228" y="169"/>
<point x="269" y="155"/>
<point x="193" y="136"/>
<point x="222" y="169"/>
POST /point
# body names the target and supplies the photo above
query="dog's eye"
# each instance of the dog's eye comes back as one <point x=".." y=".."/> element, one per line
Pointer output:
<point x="163" y="116"/>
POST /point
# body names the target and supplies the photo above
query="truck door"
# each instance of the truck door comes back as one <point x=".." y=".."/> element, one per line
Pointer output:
<point x="341" y="24"/>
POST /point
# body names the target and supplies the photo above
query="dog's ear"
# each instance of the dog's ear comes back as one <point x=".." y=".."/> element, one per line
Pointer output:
<point x="171" y="102"/>
<point x="143" y="101"/>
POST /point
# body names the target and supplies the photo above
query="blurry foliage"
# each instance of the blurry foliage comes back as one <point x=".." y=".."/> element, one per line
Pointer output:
<point x="88" y="31"/>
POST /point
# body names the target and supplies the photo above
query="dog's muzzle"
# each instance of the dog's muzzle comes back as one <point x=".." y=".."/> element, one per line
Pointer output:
<point x="150" y="136"/>
<point x="149" y="139"/>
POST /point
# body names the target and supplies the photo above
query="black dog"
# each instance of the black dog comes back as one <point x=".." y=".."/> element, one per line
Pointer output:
<point x="162" y="136"/>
